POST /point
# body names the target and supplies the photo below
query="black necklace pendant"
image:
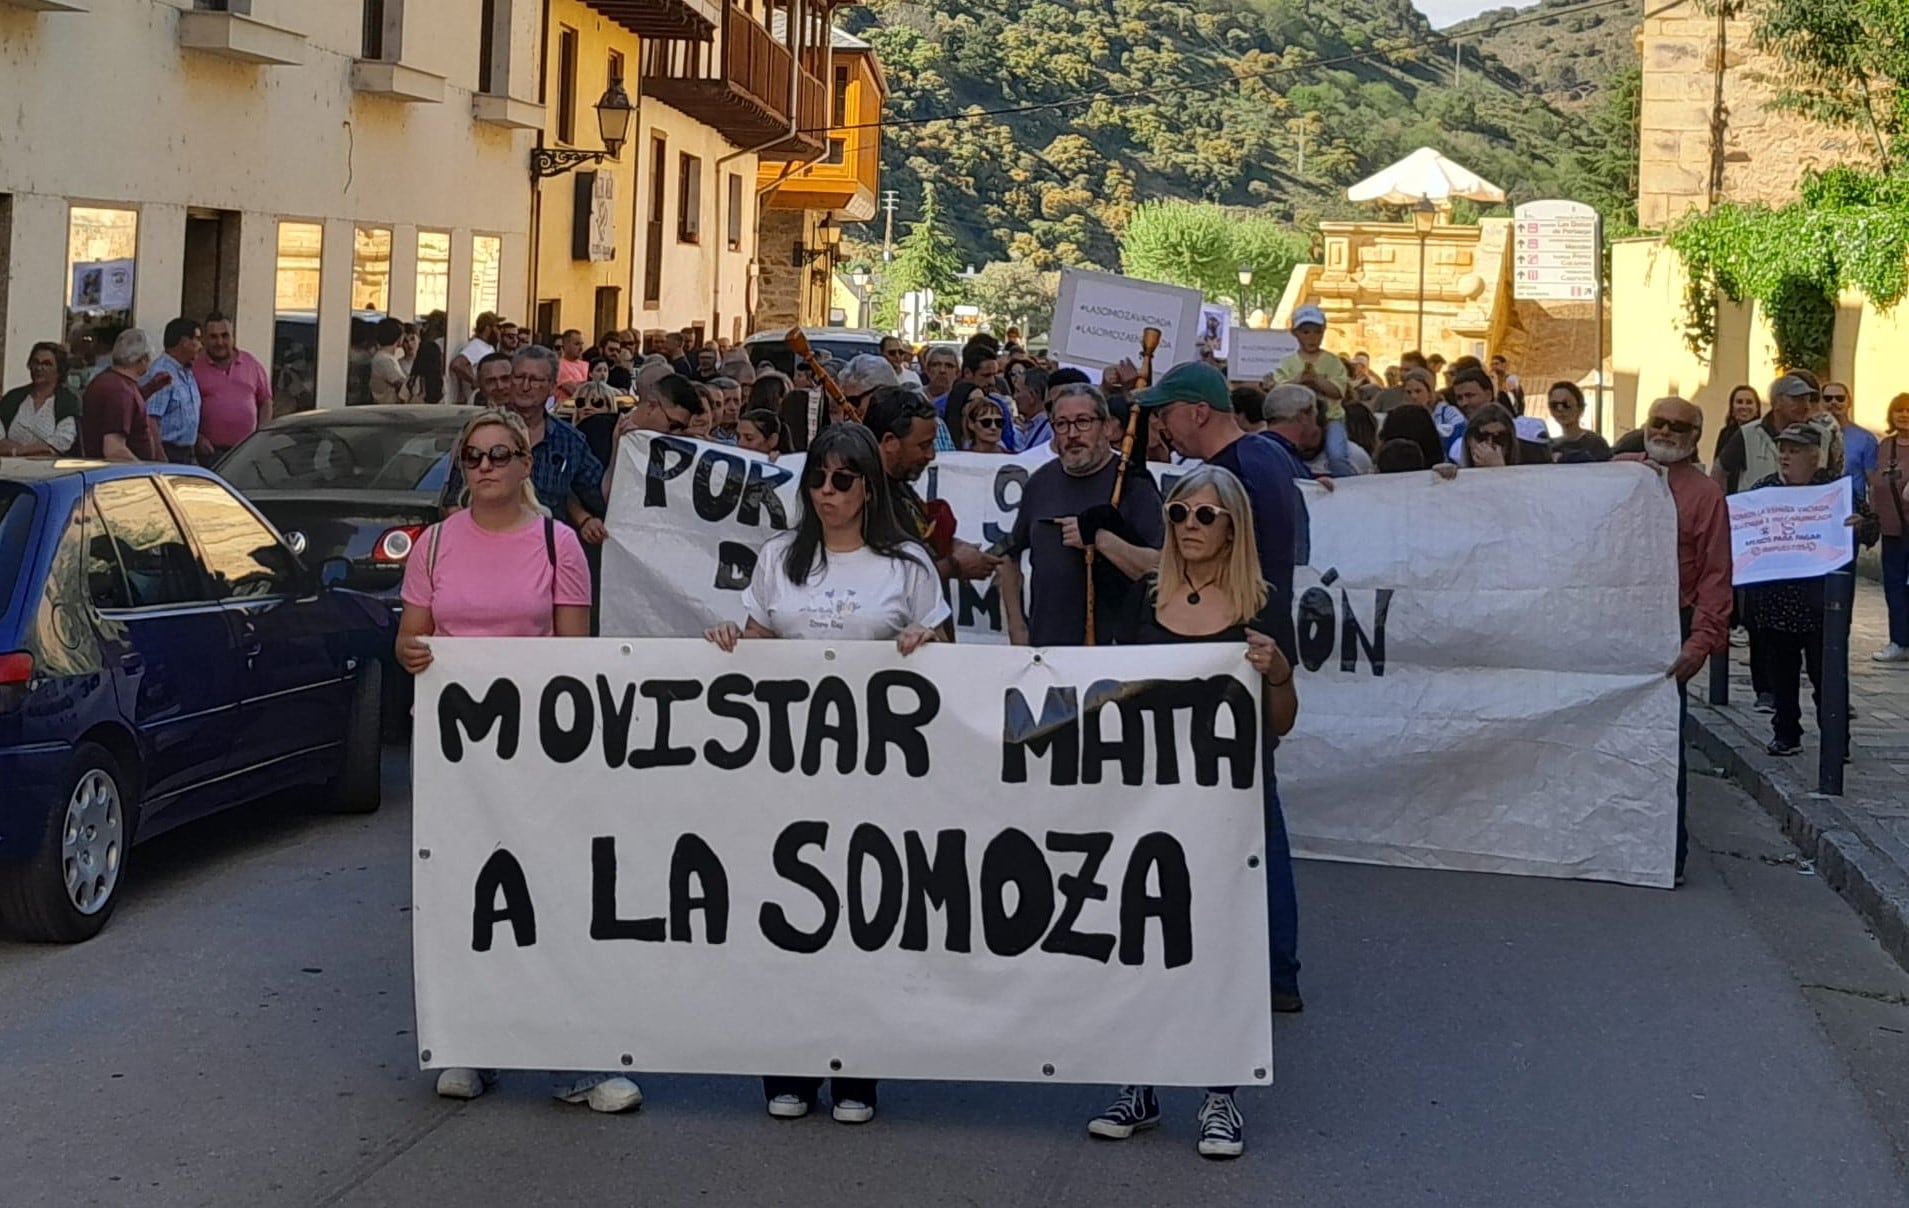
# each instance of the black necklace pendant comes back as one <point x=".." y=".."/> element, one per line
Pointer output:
<point x="1193" y="597"/>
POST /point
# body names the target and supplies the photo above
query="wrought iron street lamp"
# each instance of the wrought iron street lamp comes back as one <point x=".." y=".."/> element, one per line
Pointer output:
<point x="1424" y="218"/>
<point x="614" y="113"/>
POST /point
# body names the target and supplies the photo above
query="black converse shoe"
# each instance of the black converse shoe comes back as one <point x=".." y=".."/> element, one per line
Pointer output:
<point x="1136" y="1108"/>
<point x="1222" y="1129"/>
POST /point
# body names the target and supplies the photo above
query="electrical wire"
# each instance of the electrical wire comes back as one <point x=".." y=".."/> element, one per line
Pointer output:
<point x="1197" y="86"/>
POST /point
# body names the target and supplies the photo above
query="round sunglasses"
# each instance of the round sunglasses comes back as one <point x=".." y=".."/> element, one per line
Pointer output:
<point x="1206" y="515"/>
<point x="842" y="480"/>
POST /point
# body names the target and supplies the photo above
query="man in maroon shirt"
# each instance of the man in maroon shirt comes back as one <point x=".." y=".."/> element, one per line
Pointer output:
<point x="114" y="425"/>
<point x="1671" y="436"/>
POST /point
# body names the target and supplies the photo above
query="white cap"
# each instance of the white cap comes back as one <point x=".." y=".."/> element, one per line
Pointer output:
<point x="1309" y="314"/>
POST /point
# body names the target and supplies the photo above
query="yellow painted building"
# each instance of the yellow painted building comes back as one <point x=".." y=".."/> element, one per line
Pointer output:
<point x="805" y="204"/>
<point x="288" y="162"/>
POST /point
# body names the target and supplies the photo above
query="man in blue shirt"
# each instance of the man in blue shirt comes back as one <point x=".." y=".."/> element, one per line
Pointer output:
<point x="173" y="399"/>
<point x="1860" y="447"/>
<point x="1194" y="409"/>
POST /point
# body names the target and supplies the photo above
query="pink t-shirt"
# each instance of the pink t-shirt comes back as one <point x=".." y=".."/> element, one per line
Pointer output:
<point x="570" y="375"/>
<point x="232" y="398"/>
<point x="494" y="585"/>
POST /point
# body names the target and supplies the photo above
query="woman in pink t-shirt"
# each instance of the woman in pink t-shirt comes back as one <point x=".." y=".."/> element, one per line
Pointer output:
<point x="500" y="567"/>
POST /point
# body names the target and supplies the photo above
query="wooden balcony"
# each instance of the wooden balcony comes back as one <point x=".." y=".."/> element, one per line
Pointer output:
<point x="686" y="20"/>
<point x="739" y="86"/>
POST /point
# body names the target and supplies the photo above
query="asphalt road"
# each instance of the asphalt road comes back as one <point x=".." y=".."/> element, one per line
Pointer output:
<point x="241" y="1035"/>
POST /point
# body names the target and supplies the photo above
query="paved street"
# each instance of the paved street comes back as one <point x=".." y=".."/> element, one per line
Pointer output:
<point x="241" y="1035"/>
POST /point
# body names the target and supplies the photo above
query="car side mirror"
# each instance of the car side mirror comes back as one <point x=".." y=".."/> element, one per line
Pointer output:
<point x="333" y="572"/>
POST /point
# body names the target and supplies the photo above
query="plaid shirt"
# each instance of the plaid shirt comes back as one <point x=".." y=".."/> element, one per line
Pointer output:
<point x="561" y="465"/>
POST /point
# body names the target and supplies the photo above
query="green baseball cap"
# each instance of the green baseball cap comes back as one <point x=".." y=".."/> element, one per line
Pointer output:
<point x="1192" y="382"/>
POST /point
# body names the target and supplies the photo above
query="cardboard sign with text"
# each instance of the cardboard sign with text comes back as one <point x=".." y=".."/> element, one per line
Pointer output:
<point x="1099" y="319"/>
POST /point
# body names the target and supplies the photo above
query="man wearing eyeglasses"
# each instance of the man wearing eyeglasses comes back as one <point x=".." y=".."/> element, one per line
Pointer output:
<point x="896" y="352"/>
<point x="1065" y="508"/>
<point x="566" y="475"/>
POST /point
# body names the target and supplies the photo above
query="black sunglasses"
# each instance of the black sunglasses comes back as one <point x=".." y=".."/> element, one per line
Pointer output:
<point x="1493" y="436"/>
<point x="1680" y="427"/>
<point x="842" y="480"/>
<point x="1836" y="398"/>
<point x="987" y="421"/>
<point x="497" y="455"/>
<point x="1206" y="514"/>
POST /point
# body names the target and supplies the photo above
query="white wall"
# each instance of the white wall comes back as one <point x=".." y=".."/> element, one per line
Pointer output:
<point x="105" y="107"/>
<point x="691" y="293"/>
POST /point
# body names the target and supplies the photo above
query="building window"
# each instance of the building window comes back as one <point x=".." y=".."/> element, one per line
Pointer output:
<point x="735" y="212"/>
<point x="616" y="65"/>
<point x="383" y="30"/>
<point x="653" y="242"/>
<point x="371" y="269"/>
<point x="567" y="86"/>
<point x="434" y="273"/>
<point x="301" y="248"/>
<point x="493" y="46"/>
<point x="689" y="199"/>
<point x="839" y="101"/>
<point x="838" y="151"/>
<point x="487" y="262"/>
<point x="101" y="247"/>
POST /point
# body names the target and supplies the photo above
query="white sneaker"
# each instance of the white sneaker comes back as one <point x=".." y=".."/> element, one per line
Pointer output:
<point x="788" y="1107"/>
<point x="1891" y="653"/>
<point x="609" y="1093"/>
<point x="460" y="1083"/>
<point x="853" y="1111"/>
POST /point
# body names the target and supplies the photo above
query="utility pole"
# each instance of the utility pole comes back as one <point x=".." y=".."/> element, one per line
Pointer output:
<point x="889" y="200"/>
<point x="1458" y="61"/>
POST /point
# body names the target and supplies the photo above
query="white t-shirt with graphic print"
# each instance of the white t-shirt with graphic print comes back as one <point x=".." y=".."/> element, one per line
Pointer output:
<point x="858" y="596"/>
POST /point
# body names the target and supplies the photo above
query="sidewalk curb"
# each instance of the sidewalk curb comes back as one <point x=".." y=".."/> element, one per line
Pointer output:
<point x="1823" y="830"/>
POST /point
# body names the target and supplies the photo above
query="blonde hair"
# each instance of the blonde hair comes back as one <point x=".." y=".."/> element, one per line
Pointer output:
<point x="1242" y="582"/>
<point x="511" y="422"/>
<point x="594" y="392"/>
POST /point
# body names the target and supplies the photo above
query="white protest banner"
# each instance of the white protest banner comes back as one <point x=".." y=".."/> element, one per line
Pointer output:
<point x="1216" y="325"/>
<point x="816" y="858"/>
<point x="1789" y="532"/>
<point x="1257" y="352"/>
<point x="682" y="546"/>
<point x="1475" y="694"/>
<point x="1099" y="319"/>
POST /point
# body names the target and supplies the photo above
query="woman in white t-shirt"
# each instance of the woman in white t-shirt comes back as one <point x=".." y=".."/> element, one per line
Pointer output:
<point x="847" y="572"/>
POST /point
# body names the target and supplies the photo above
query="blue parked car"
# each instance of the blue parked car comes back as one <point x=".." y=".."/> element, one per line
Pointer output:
<point x="163" y="655"/>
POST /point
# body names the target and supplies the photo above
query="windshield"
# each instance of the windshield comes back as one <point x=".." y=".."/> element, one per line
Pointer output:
<point x="345" y="457"/>
<point x="777" y="352"/>
<point x="16" y="525"/>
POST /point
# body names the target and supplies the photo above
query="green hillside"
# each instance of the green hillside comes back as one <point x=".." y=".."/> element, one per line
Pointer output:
<point x="1276" y="105"/>
<point x="1568" y="56"/>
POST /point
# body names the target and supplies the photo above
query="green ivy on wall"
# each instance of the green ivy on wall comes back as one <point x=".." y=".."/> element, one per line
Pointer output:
<point x="1848" y="231"/>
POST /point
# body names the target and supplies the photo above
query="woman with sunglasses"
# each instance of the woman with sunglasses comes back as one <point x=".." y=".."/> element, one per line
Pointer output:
<point x="1491" y="438"/>
<point x="847" y="572"/>
<point x="1209" y="589"/>
<point x="1576" y="443"/>
<point x="983" y="424"/>
<point x="500" y="567"/>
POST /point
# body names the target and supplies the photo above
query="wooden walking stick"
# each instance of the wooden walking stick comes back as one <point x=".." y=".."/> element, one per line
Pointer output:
<point x="799" y="344"/>
<point x="1149" y="344"/>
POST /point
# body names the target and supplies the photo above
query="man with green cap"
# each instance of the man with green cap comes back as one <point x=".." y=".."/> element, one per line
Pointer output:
<point x="1193" y="407"/>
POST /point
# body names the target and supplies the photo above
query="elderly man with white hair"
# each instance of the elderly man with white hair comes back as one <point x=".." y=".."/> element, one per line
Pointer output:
<point x="1293" y="415"/>
<point x="114" y="424"/>
<point x="866" y="374"/>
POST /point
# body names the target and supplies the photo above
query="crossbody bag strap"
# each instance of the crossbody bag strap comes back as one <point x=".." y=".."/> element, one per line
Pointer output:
<point x="550" y="552"/>
<point x="1895" y="483"/>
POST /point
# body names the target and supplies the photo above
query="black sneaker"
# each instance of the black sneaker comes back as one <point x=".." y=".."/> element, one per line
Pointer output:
<point x="1766" y="703"/>
<point x="1136" y="1108"/>
<point x="1222" y="1129"/>
<point x="1779" y="747"/>
<point x="1287" y="1002"/>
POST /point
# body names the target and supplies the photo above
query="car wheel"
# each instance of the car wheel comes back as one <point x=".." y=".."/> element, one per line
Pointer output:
<point x="66" y="893"/>
<point x="359" y="786"/>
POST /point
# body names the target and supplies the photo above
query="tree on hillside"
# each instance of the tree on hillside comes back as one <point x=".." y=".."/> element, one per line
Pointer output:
<point x="927" y="257"/>
<point x="1016" y="292"/>
<point x="1606" y="163"/>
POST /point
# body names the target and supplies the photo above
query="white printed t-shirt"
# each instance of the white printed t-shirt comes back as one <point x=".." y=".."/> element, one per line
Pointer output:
<point x="858" y="596"/>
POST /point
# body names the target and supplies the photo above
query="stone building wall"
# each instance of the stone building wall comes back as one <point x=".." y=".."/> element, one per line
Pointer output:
<point x="1693" y="150"/>
<point x="790" y="294"/>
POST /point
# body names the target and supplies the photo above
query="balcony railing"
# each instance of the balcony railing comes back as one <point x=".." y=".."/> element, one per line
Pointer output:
<point x="740" y="86"/>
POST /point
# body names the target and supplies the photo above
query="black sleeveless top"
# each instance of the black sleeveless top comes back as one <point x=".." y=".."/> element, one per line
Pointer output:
<point x="1142" y="626"/>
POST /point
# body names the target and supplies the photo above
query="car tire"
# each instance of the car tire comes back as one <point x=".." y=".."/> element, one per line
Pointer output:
<point x="359" y="786"/>
<point x="87" y="838"/>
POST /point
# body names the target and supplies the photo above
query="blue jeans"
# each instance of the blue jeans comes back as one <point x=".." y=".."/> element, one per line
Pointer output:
<point x="1338" y="450"/>
<point x="1282" y="896"/>
<point x="1895" y="587"/>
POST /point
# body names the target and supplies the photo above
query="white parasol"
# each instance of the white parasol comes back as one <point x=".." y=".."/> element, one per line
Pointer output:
<point x="1425" y="174"/>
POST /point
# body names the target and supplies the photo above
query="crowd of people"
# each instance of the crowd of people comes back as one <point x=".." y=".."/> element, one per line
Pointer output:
<point x="870" y="559"/>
